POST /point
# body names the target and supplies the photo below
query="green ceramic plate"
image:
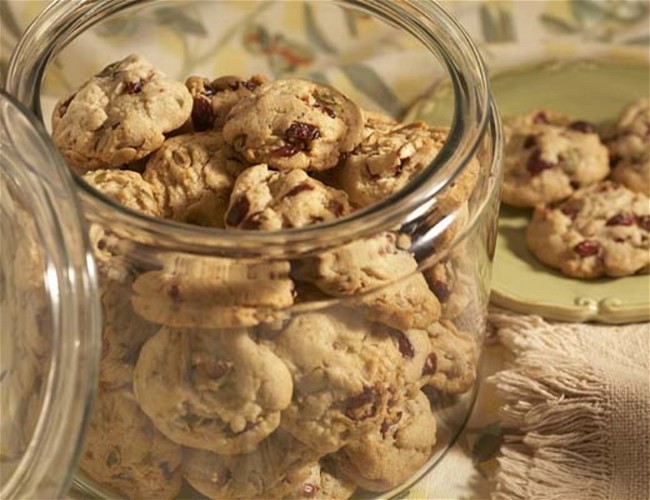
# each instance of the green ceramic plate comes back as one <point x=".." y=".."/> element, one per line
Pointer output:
<point x="594" y="91"/>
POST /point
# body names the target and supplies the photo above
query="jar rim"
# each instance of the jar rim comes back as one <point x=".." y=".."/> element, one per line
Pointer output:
<point x="61" y="22"/>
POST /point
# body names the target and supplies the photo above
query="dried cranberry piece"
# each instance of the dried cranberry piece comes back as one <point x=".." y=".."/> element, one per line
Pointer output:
<point x="238" y="211"/>
<point x="298" y="137"/>
<point x="530" y="141"/>
<point x="299" y="189"/>
<point x="286" y="150"/>
<point x="202" y="116"/>
<point x="134" y="87"/>
<point x="430" y="365"/>
<point x="644" y="222"/>
<point x="364" y="405"/>
<point x="620" y="220"/>
<point x="587" y="248"/>
<point x="540" y="117"/>
<point x="404" y="344"/>
<point x="582" y="126"/>
<point x="536" y="165"/>
<point x="252" y="222"/>
<point x="570" y="209"/>
<point x="440" y="290"/>
<point x="575" y="185"/>
<point x="300" y="133"/>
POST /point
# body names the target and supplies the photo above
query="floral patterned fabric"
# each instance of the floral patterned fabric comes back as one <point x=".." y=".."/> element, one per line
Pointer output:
<point x="361" y="58"/>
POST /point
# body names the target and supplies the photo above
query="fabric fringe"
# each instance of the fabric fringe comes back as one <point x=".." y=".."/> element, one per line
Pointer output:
<point x="556" y="443"/>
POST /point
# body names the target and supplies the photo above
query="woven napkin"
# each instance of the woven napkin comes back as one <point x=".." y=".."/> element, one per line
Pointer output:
<point x="576" y="409"/>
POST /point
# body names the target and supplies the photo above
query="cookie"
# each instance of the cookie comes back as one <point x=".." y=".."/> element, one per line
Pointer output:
<point x="379" y="277"/>
<point x="127" y="188"/>
<point x="268" y="471"/>
<point x="394" y="451"/>
<point x="124" y="452"/>
<point x="119" y="116"/>
<point x="269" y="200"/>
<point x="210" y="389"/>
<point x="294" y="123"/>
<point x="453" y="286"/>
<point x="602" y="230"/>
<point x="123" y="335"/>
<point x="193" y="176"/>
<point x="321" y="482"/>
<point x="452" y="365"/>
<point x="548" y="156"/>
<point x="387" y="160"/>
<point x="213" y="292"/>
<point x="346" y="372"/>
<point x="214" y="99"/>
<point x="629" y="147"/>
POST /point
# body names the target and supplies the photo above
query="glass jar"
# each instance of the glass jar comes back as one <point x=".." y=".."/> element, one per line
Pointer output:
<point x="331" y="360"/>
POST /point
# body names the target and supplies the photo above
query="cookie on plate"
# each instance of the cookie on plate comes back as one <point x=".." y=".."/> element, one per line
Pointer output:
<point x="119" y="116"/>
<point x="629" y="147"/>
<point x="602" y="230"/>
<point x="216" y="390"/>
<point x="269" y="200"/>
<point x="294" y="123"/>
<point x="548" y="156"/>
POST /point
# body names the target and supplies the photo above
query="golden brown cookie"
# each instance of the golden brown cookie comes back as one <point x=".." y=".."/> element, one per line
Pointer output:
<point x="268" y="200"/>
<point x="294" y="123"/>
<point x="119" y="116"/>
<point x="216" y="390"/>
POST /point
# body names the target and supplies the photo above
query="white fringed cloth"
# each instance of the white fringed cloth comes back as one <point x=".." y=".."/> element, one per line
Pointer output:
<point x="576" y="410"/>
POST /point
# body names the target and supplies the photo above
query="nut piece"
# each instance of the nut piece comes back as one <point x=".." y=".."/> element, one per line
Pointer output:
<point x="268" y="200"/>
<point x="119" y="116"/>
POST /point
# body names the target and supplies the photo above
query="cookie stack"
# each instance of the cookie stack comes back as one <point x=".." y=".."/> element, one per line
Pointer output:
<point x="589" y="220"/>
<point x="211" y="375"/>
